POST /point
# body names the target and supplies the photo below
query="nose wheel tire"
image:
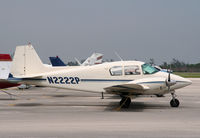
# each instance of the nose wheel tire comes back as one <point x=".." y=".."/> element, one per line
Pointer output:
<point x="125" y="102"/>
<point x="174" y="103"/>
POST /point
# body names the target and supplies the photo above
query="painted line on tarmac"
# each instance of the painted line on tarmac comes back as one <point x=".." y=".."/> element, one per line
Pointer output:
<point x="11" y="104"/>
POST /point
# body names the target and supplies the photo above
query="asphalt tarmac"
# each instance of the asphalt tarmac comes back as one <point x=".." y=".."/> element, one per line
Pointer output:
<point x="59" y="113"/>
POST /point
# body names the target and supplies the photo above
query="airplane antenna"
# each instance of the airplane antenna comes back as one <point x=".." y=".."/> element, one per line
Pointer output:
<point x="118" y="56"/>
<point x="78" y="61"/>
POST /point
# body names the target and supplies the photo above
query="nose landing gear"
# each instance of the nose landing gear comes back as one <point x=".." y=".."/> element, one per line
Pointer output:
<point x="174" y="102"/>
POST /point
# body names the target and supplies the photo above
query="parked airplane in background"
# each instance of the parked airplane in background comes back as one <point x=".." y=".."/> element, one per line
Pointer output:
<point x="5" y="76"/>
<point x="6" y="79"/>
<point x="56" y="61"/>
<point x="125" y="78"/>
<point x="95" y="58"/>
<point x="5" y="65"/>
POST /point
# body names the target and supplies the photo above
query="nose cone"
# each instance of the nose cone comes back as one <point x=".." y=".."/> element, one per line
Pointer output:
<point x="180" y="81"/>
<point x="187" y="81"/>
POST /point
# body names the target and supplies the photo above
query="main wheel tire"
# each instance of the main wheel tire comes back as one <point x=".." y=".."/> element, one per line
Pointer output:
<point x="174" y="103"/>
<point x="122" y="101"/>
<point x="128" y="102"/>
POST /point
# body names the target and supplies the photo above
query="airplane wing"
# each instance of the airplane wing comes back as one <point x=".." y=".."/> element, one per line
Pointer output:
<point x="130" y="87"/>
<point x="137" y="86"/>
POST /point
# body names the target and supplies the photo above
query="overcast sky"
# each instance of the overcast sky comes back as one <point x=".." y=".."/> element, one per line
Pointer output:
<point x="136" y="29"/>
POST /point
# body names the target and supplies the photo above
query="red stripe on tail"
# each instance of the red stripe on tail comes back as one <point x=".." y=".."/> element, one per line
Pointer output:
<point x="5" y="57"/>
<point x="98" y="58"/>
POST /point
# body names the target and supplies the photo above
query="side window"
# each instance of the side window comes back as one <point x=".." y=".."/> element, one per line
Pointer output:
<point x="131" y="70"/>
<point x="116" y="71"/>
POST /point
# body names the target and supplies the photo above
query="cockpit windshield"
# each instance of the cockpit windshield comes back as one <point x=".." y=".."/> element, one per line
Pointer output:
<point x="148" y="69"/>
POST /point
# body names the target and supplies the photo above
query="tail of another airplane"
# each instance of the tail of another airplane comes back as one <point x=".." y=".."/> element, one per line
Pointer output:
<point x="5" y="64"/>
<point x="26" y="62"/>
<point x="56" y="61"/>
<point x="95" y="58"/>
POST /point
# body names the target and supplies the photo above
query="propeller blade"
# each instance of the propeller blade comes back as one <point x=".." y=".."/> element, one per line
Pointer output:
<point x="169" y="77"/>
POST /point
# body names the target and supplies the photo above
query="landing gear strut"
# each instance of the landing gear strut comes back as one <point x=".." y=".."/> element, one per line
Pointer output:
<point x="174" y="102"/>
<point x="125" y="102"/>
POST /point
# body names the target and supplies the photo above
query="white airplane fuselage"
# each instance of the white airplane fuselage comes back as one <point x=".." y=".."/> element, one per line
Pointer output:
<point x="124" y="78"/>
<point x="97" y="77"/>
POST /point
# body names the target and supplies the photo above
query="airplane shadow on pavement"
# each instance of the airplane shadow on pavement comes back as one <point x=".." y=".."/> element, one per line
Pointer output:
<point x="135" y="107"/>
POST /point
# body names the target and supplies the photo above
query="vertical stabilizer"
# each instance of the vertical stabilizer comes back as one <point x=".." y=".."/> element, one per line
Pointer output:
<point x="56" y="61"/>
<point x="26" y="62"/>
<point x="95" y="58"/>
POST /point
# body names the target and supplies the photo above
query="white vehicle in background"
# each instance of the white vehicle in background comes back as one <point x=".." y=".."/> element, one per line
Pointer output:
<point x="24" y="86"/>
<point x="127" y="79"/>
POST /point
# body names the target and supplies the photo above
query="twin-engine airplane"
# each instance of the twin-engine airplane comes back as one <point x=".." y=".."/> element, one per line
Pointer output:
<point x="125" y="78"/>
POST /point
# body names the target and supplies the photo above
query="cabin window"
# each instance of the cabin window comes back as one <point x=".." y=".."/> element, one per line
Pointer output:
<point x="148" y="69"/>
<point x="131" y="70"/>
<point x="116" y="71"/>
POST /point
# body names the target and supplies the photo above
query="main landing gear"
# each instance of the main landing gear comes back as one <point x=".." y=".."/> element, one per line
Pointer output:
<point x="125" y="102"/>
<point x="174" y="102"/>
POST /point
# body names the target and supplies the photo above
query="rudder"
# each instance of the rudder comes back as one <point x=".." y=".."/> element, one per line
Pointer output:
<point x="26" y="62"/>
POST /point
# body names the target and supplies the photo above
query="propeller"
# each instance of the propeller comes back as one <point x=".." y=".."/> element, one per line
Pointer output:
<point x="169" y="77"/>
<point x="169" y="82"/>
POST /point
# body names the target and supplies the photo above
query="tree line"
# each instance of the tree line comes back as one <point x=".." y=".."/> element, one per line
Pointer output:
<point x="175" y="65"/>
<point x="179" y="66"/>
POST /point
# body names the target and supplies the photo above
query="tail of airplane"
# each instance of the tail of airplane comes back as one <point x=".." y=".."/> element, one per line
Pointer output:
<point x="56" y="61"/>
<point x="96" y="58"/>
<point x="5" y="64"/>
<point x="26" y="62"/>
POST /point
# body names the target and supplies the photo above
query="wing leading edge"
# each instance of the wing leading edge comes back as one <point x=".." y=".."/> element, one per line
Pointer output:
<point x="130" y="87"/>
<point x="136" y="87"/>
